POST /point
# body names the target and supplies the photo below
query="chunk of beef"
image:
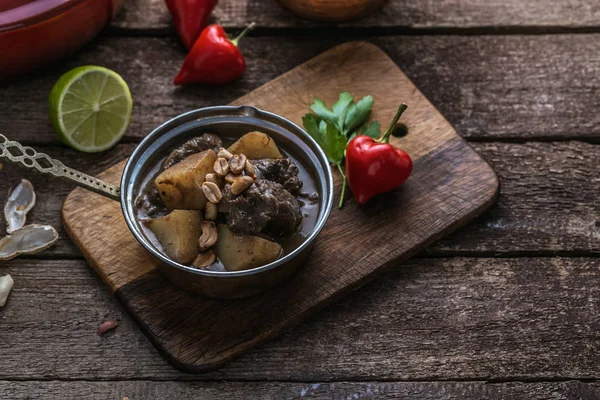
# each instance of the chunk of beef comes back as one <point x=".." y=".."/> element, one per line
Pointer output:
<point x="282" y="171"/>
<point x="264" y="207"/>
<point x="196" y="145"/>
<point x="225" y="202"/>
<point x="149" y="201"/>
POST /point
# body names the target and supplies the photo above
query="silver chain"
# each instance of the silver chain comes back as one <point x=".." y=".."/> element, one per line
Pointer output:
<point x="30" y="158"/>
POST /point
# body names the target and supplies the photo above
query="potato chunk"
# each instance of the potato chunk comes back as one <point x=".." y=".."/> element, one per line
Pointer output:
<point x="178" y="233"/>
<point x="256" y="146"/>
<point x="239" y="252"/>
<point x="180" y="186"/>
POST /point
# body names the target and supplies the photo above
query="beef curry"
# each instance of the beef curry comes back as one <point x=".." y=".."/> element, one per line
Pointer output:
<point x="228" y="209"/>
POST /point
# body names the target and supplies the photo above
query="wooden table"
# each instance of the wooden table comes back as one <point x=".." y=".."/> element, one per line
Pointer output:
<point x="508" y="307"/>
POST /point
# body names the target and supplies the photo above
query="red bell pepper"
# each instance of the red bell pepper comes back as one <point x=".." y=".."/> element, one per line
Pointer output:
<point x="374" y="166"/>
<point x="214" y="58"/>
<point x="190" y="17"/>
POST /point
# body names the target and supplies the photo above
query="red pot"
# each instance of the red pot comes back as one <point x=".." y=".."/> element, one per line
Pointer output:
<point x="10" y="4"/>
<point x="41" y="38"/>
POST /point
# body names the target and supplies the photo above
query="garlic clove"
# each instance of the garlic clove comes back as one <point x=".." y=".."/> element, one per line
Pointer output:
<point x="6" y="284"/>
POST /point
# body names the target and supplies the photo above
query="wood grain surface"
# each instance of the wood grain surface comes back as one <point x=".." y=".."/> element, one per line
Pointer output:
<point x="152" y="15"/>
<point x="450" y="184"/>
<point x="508" y="88"/>
<point x="529" y="212"/>
<point x="482" y="319"/>
<point x="520" y="75"/>
<point x="149" y="390"/>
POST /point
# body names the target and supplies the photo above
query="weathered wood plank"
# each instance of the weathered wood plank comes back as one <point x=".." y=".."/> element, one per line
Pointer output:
<point x="149" y="390"/>
<point x="431" y="319"/>
<point x="153" y="14"/>
<point x="488" y="87"/>
<point x="548" y="200"/>
<point x="51" y="192"/>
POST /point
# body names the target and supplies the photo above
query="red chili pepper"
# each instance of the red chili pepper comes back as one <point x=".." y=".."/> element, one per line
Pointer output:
<point x="214" y="58"/>
<point x="189" y="17"/>
<point x="375" y="166"/>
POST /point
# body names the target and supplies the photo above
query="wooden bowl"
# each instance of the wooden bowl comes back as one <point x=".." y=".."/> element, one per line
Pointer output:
<point x="332" y="10"/>
<point x="41" y="38"/>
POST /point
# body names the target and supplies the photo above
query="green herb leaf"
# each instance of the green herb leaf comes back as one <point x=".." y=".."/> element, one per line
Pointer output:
<point x="372" y="130"/>
<point x="345" y="115"/>
<point x="311" y="124"/>
<point x="358" y="114"/>
<point x="340" y="109"/>
<point x="327" y="136"/>
<point x="335" y="143"/>
<point x="320" y="108"/>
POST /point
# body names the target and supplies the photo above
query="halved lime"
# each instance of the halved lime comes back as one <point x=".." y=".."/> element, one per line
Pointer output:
<point x="90" y="108"/>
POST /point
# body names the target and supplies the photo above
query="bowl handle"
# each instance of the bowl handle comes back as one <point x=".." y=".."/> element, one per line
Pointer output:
<point x="30" y="158"/>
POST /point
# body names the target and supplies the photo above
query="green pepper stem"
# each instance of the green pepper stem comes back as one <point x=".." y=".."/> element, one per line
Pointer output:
<point x="247" y="29"/>
<point x="385" y="138"/>
<point x="344" y="181"/>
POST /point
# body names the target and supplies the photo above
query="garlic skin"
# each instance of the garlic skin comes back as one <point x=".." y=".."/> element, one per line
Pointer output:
<point x="6" y="284"/>
<point x="30" y="239"/>
<point x="20" y="201"/>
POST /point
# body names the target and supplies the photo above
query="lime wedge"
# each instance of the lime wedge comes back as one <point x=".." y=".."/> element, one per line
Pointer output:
<point x="90" y="108"/>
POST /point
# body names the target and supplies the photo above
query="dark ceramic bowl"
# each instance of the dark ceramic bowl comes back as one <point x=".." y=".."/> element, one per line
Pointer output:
<point x="230" y="122"/>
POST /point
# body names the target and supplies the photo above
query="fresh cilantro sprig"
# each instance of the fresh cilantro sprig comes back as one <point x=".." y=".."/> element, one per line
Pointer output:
<point x="333" y="129"/>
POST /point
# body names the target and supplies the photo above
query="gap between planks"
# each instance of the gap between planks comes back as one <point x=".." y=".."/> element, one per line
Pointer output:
<point x="198" y="378"/>
<point x="364" y="32"/>
<point x="439" y="254"/>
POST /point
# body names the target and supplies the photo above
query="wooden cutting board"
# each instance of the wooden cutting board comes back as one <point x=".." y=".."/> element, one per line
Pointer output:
<point x="449" y="186"/>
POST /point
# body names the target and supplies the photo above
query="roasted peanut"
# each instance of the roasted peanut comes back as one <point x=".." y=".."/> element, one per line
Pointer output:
<point x="224" y="153"/>
<point x="208" y="237"/>
<point x="205" y="259"/>
<point x="221" y="166"/>
<point x="240" y="184"/>
<point x="237" y="163"/>
<point x="212" y="192"/>
<point x="250" y="170"/>
<point x="214" y="178"/>
<point x="210" y="213"/>
<point x="230" y="177"/>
